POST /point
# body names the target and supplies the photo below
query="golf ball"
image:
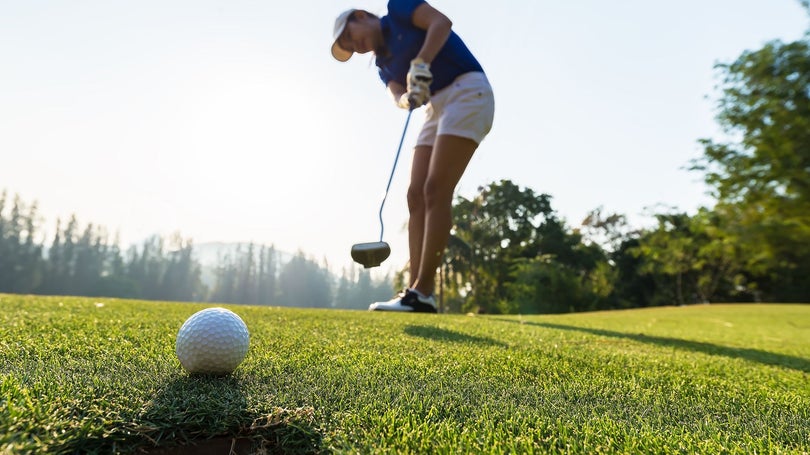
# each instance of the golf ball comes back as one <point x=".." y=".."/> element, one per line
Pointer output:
<point x="212" y="341"/>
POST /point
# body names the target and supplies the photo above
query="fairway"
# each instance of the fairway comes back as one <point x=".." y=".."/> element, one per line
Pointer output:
<point x="85" y="375"/>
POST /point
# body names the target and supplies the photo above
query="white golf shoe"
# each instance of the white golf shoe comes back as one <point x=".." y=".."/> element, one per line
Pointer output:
<point x="407" y="300"/>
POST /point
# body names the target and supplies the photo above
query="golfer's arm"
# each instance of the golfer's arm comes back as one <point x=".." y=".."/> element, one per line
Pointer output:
<point x="438" y="27"/>
<point x="396" y="90"/>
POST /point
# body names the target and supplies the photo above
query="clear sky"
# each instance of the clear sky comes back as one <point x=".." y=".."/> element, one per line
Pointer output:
<point x="229" y="120"/>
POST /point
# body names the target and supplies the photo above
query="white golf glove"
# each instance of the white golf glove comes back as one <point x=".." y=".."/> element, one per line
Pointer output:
<point x="419" y="75"/>
<point x="418" y="85"/>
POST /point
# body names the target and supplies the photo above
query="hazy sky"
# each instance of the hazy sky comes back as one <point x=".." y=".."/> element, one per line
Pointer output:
<point x="230" y="121"/>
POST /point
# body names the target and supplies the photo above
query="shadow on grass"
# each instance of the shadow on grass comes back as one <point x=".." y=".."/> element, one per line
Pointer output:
<point x="753" y="355"/>
<point x="204" y="415"/>
<point x="437" y="334"/>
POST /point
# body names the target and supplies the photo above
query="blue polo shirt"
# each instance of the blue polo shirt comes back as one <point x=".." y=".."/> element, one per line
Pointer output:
<point x="403" y="41"/>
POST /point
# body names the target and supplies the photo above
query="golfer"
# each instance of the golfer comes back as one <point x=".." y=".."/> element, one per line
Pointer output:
<point x="423" y="62"/>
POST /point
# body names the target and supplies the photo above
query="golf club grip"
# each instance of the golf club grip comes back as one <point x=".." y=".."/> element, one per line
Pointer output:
<point x="393" y="168"/>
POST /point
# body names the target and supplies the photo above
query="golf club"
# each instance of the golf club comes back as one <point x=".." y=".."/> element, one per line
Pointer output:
<point x="372" y="254"/>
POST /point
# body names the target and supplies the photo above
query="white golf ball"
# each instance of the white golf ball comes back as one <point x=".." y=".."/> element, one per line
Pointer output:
<point x="212" y="341"/>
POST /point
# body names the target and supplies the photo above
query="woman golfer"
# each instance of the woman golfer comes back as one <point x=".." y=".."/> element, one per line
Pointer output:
<point x="422" y="61"/>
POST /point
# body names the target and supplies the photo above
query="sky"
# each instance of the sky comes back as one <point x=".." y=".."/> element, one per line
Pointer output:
<point x="230" y="121"/>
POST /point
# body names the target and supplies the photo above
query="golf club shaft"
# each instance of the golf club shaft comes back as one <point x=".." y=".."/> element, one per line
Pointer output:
<point x="391" y="177"/>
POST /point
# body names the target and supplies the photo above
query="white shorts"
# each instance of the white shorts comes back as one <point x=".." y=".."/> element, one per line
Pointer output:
<point x="464" y="108"/>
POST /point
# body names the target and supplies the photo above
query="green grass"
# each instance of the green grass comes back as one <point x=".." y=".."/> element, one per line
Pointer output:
<point x="100" y="376"/>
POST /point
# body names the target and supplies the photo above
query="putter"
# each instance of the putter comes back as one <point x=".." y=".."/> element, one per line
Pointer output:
<point x="372" y="254"/>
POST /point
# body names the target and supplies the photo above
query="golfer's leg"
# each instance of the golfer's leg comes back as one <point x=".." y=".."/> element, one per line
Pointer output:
<point x="416" y="207"/>
<point x="449" y="159"/>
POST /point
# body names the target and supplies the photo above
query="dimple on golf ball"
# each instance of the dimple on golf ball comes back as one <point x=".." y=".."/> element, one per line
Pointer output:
<point x="212" y="341"/>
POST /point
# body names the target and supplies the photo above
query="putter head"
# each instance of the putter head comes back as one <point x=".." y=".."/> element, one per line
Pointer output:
<point x="370" y="254"/>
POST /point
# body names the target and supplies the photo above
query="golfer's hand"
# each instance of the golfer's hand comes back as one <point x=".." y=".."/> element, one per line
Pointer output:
<point x="419" y="76"/>
<point x="418" y="85"/>
<point x="414" y="99"/>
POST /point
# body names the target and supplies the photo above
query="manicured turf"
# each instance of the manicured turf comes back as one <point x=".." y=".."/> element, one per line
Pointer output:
<point x="100" y="376"/>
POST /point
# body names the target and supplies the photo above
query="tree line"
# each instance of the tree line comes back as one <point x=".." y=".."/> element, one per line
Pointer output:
<point x="88" y="261"/>
<point x="509" y="251"/>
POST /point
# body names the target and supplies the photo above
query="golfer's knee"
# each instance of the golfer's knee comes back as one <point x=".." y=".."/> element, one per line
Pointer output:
<point x="436" y="193"/>
<point x="416" y="198"/>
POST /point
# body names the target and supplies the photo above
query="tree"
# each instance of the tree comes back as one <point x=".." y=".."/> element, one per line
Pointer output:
<point x="226" y="280"/>
<point x="114" y="281"/>
<point x="669" y="254"/>
<point x="720" y="256"/>
<point x="542" y="285"/>
<point x="505" y="240"/>
<point x="57" y="269"/>
<point x="632" y="287"/>
<point x="90" y="256"/>
<point x="695" y="258"/>
<point x="181" y="280"/>
<point x="456" y="275"/>
<point x="302" y="283"/>
<point x="267" y="286"/>
<point x="147" y="268"/>
<point x="21" y="264"/>
<point x="763" y="176"/>
<point x="493" y="229"/>
<point x="356" y="288"/>
<point x="67" y="268"/>
<point x="608" y="230"/>
<point x="5" y="245"/>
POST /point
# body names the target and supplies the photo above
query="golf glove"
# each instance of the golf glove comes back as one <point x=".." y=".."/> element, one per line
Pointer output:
<point x="419" y="76"/>
<point x="414" y="99"/>
<point x="418" y="85"/>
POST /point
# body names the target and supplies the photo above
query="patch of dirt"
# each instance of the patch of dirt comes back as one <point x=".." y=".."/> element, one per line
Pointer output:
<point x="216" y="446"/>
<point x="280" y="431"/>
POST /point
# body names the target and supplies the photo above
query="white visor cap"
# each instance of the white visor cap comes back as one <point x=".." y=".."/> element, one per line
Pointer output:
<point x="338" y="52"/>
